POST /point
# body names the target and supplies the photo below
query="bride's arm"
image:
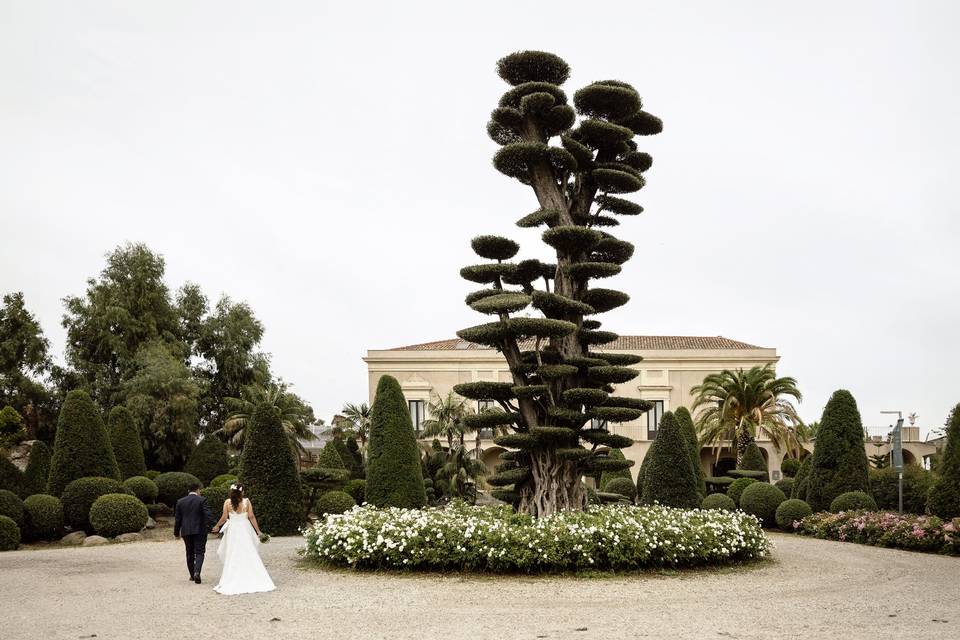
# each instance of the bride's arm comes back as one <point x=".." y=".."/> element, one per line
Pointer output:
<point x="223" y="517"/>
<point x="253" y="518"/>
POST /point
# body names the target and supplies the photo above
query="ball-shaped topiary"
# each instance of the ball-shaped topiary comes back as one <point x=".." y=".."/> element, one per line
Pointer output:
<point x="761" y="499"/>
<point x="394" y="478"/>
<point x="117" y="513"/>
<point x="37" y="473"/>
<point x="208" y="460"/>
<point x="853" y="501"/>
<point x="11" y="506"/>
<point x="736" y="488"/>
<point x="334" y="502"/>
<point x="173" y="485"/>
<point x="216" y="495"/>
<point x="839" y="462"/>
<point x="623" y="487"/>
<point x="607" y="477"/>
<point x="718" y="501"/>
<point x="152" y="474"/>
<point x="126" y="443"/>
<point x="789" y="467"/>
<point x="223" y="480"/>
<point x="790" y="511"/>
<point x="143" y="487"/>
<point x="82" y="447"/>
<point x="357" y="489"/>
<point x="44" y="517"/>
<point x="9" y="534"/>
<point x="79" y="496"/>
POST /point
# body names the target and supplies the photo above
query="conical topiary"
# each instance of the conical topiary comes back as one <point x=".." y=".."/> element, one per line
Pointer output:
<point x="669" y="478"/>
<point x="11" y="478"/>
<point x="685" y="420"/>
<point x="82" y="447"/>
<point x="613" y="474"/>
<point x="753" y="460"/>
<point x="944" y="497"/>
<point x="394" y="477"/>
<point x="208" y="460"/>
<point x="126" y="443"/>
<point x="269" y="474"/>
<point x="357" y="470"/>
<point x="801" y="482"/>
<point x="37" y="473"/>
<point x="330" y="457"/>
<point x="839" y="460"/>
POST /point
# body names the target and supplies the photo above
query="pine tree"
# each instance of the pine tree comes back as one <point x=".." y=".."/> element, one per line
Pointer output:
<point x="126" y="443"/>
<point x="82" y="447"/>
<point x="561" y="377"/>
<point x="394" y="476"/>
<point x="944" y="497"/>
<point x="269" y="473"/>
<point x="209" y="459"/>
<point x="669" y="478"/>
<point x="839" y="460"/>
<point x="685" y="420"/>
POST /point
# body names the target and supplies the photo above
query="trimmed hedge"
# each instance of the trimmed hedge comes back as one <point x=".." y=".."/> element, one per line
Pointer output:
<point x="118" y="513"/>
<point x="394" y="478"/>
<point x="623" y="487"/>
<point x="44" y="517"/>
<point x="37" y="473"/>
<point x="335" y="502"/>
<point x="143" y="487"/>
<point x="917" y="482"/>
<point x="208" y="460"/>
<point x="82" y="447"/>
<point x="685" y="420"/>
<point x="718" y="484"/>
<point x="9" y="534"/>
<point x="736" y="488"/>
<point x="839" y="459"/>
<point x="720" y="501"/>
<point x="11" y="478"/>
<point x="173" y="485"/>
<point x="791" y="511"/>
<point x="761" y="499"/>
<point x="357" y="489"/>
<point x="223" y="480"/>
<point x="669" y="478"/>
<point x="944" y="497"/>
<point x="216" y="495"/>
<point x="126" y="443"/>
<point x="11" y="506"/>
<point x="269" y="474"/>
<point x="79" y="496"/>
<point x="853" y="501"/>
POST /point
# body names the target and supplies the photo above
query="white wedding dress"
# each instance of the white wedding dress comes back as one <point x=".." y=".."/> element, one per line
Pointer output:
<point x="243" y="570"/>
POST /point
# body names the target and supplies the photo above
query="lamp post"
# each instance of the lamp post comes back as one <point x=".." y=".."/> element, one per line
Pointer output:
<point x="896" y="457"/>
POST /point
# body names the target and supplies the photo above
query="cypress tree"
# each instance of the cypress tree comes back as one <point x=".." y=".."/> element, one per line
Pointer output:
<point x="126" y="443"/>
<point x="394" y="476"/>
<point x="82" y="447"/>
<point x="37" y="473"/>
<point x="669" y="478"/>
<point x="607" y="476"/>
<point x="685" y="420"/>
<point x="208" y="460"/>
<point x="839" y="460"/>
<point x="801" y="482"/>
<point x="944" y="497"/>
<point x="269" y="473"/>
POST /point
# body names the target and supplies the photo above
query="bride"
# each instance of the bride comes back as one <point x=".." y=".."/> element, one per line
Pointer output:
<point x="243" y="570"/>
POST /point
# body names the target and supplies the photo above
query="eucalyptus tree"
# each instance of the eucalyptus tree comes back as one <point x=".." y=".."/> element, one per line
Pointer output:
<point x="561" y="377"/>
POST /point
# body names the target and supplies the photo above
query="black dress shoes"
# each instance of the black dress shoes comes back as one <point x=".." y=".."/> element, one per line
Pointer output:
<point x="197" y="579"/>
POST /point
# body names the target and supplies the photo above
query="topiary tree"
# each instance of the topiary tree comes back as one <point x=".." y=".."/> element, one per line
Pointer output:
<point x="720" y="501"/>
<point x="126" y="443"/>
<point x="753" y="460"/>
<point x="394" y="475"/>
<point x="223" y="480"/>
<point x="357" y="470"/>
<point x="37" y="473"/>
<point x="173" y="485"/>
<point x="761" y="499"/>
<point x="789" y="467"/>
<point x="79" y="496"/>
<point x="208" y="460"/>
<point x="11" y="478"/>
<point x="669" y="478"/>
<point x="269" y="473"/>
<point x="791" y="511"/>
<point x="735" y="490"/>
<point x="839" y="460"/>
<point x="335" y="502"/>
<point x="613" y="474"/>
<point x="143" y="487"/>
<point x="623" y="487"/>
<point x="9" y="534"/>
<point x="689" y="431"/>
<point x="44" y="517"/>
<point x="216" y="495"/>
<point x="801" y="481"/>
<point x="561" y="378"/>
<point x="785" y="485"/>
<point x="11" y="506"/>
<point x="357" y="488"/>
<point x="853" y="501"/>
<point x="944" y="497"/>
<point x="117" y="513"/>
<point x="82" y="447"/>
<point x="718" y="484"/>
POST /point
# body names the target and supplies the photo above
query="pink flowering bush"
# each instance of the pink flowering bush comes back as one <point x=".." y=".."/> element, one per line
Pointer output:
<point x="885" y="529"/>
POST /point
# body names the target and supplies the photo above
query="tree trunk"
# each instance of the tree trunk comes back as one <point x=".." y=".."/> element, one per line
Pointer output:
<point x="744" y="439"/>
<point x="554" y="486"/>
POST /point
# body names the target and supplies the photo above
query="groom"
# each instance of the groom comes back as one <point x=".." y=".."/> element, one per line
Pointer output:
<point x="192" y="521"/>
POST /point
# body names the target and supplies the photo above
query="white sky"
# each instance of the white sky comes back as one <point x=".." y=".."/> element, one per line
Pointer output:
<point x="328" y="164"/>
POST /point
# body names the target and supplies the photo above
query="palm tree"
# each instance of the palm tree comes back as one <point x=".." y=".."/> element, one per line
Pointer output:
<point x="446" y="418"/>
<point x="739" y="405"/>
<point x="359" y="417"/>
<point x="295" y="415"/>
<point x="459" y="474"/>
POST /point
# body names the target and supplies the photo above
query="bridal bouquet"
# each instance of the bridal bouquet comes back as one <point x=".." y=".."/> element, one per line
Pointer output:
<point x="264" y="538"/>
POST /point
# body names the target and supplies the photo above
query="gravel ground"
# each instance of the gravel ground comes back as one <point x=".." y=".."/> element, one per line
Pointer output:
<point x="811" y="589"/>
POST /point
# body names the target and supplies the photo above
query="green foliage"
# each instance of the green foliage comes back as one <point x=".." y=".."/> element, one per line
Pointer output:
<point x="330" y="458"/>
<point x="9" y="534"/>
<point x="884" y="529"/>
<point x="23" y="360"/>
<point x="752" y="460"/>
<point x="357" y="489"/>
<point x="223" y="480"/>
<point x="718" y="501"/>
<point x="785" y="485"/>
<point x="12" y="431"/>
<point x="82" y="447"/>
<point x="604" y="100"/>
<point x="216" y="495"/>
<point x="173" y="485"/>
<point x="152" y="474"/>
<point x="533" y="66"/>
<point x="669" y="478"/>
<point x="718" y="484"/>
<point x="761" y="499"/>
<point x="839" y="461"/>
<point x="126" y="443"/>
<point x="607" y="476"/>
<point x="747" y="473"/>
<point x="917" y="482"/>
<point x="11" y="506"/>
<point x="11" y="478"/>
<point x="494" y="247"/>
<point x="736" y="488"/>
<point x="37" y="473"/>
<point x="944" y="498"/>
<point x="689" y="433"/>
<point x="853" y="501"/>
<point x="790" y="511"/>
<point x="335" y="502"/>
<point x="623" y="487"/>
<point x="44" y="517"/>
<point x="790" y="467"/>
<point x="143" y="488"/>
<point x="501" y="303"/>
<point x="117" y="513"/>
<point x="801" y="482"/>
<point x="269" y="474"/>
<point x="208" y="460"/>
<point x="79" y="496"/>
<point x="393" y="459"/>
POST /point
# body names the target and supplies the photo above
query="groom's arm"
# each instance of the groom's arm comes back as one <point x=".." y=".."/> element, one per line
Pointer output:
<point x="208" y="518"/>
<point x="177" y="519"/>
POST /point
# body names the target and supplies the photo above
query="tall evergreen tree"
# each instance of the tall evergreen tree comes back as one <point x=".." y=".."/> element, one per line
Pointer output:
<point x="208" y="460"/>
<point x="126" y="443"/>
<point x="24" y="364"/>
<point x="37" y="473"/>
<point x="689" y="432"/>
<point x="839" y="460"/>
<point x="82" y="448"/>
<point x="669" y="478"/>
<point x="394" y="476"/>
<point x="944" y="497"/>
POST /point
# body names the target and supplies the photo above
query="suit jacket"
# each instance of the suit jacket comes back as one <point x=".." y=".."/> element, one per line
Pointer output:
<point x="192" y="516"/>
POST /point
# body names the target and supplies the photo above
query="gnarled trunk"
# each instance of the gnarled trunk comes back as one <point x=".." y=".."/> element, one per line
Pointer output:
<point x="555" y="486"/>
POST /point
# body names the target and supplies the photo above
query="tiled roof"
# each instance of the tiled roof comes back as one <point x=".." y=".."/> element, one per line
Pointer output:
<point x="627" y="343"/>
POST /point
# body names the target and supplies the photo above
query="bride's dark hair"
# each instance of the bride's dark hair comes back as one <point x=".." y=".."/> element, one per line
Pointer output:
<point x="236" y="495"/>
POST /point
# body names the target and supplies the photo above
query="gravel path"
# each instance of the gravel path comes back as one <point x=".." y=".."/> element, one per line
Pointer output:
<point x="812" y="589"/>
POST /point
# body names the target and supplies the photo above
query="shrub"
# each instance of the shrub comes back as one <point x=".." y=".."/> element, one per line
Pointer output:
<point x="884" y="487"/>
<point x="753" y="460"/>
<point x="357" y="489"/>
<point x="493" y="538"/>
<point x="801" y="481"/>
<point x="785" y="485"/>
<point x="335" y="502"/>
<point x="117" y="513"/>
<point x="159" y="510"/>
<point x="669" y="479"/>
<point x="736" y="488"/>
<point x="37" y="473"/>
<point x="216" y="495"/>
<point x="173" y="485"/>
<point x="623" y="487"/>
<point x="394" y="478"/>
<point x="789" y="467"/>
<point x="143" y="487"/>
<point x="269" y="473"/>
<point x="689" y="432"/>
<point x="12" y="431"/>
<point x="718" y="484"/>
<point x="9" y="534"/>
<point x="608" y="476"/>
<point x="357" y="470"/>
<point x="944" y="497"/>
<point x="853" y="501"/>
<point x="152" y="474"/>
<point x="82" y="447"/>
<point x="223" y="480"/>
<point x="885" y="529"/>
<point x="11" y="478"/>
<point x="208" y="460"/>
<point x="748" y="473"/>
<point x="79" y="496"/>
<point x="329" y="457"/>
<point x="791" y="511"/>
<point x="44" y="517"/>
<point x="11" y="506"/>
<point x="126" y="443"/>
<point x="761" y="499"/>
<point x="839" y="460"/>
<point x="719" y="501"/>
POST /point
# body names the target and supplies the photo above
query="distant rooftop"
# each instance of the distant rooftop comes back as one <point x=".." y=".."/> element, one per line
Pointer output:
<point x="627" y="343"/>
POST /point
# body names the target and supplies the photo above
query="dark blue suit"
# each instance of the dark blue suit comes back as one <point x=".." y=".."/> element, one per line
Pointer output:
<point x="192" y="522"/>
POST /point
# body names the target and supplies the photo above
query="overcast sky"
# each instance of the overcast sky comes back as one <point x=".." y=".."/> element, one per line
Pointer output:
<point x="328" y="164"/>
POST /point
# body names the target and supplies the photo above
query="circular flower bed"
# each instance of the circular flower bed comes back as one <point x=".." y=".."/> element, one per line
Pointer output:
<point x="458" y="537"/>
